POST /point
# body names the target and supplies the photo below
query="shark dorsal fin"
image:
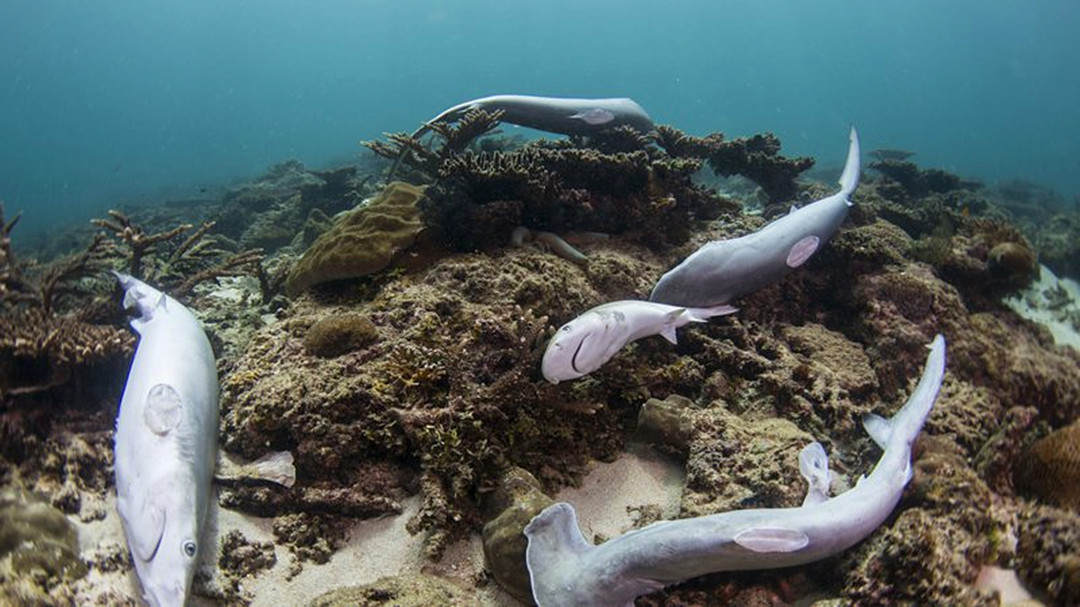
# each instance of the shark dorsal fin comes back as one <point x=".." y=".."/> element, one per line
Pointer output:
<point x="772" y="539"/>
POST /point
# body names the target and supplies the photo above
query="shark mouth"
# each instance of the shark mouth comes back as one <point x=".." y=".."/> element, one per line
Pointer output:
<point x="573" y="359"/>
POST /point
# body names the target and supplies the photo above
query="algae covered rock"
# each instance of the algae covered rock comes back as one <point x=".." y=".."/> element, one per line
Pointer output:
<point x="1048" y="552"/>
<point x="336" y="335"/>
<point x="363" y="241"/>
<point x="517" y="500"/>
<point x="418" y="590"/>
<point x="1050" y="468"/>
<point x="39" y="549"/>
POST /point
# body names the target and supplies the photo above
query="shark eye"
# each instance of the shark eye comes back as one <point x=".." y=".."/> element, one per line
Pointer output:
<point x="190" y="548"/>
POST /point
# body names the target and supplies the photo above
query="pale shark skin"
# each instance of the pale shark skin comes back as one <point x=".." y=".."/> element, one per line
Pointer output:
<point x="166" y="443"/>
<point x="584" y="344"/>
<point x="723" y="270"/>
<point x="567" y="571"/>
<point x="564" y="115"/>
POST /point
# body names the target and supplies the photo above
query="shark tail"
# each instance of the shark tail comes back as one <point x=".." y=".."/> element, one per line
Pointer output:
<point x="849" y="179"/>
<point x="704" y="314"/>
<point x="556" y="547"/>
<point x="909" y="419"/>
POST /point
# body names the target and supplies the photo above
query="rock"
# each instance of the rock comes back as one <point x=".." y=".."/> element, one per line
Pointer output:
<point x="517" y="500"/>
<point x="339" y="334"/>
<point x="39" y="549"/>
<point x="1048" y="552"/>
<point x="667" y="422"/>
<point x="1050" y="468"/>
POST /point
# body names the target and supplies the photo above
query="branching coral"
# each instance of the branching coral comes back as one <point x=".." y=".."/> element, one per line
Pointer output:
<point x="409" y="148"/>
<point x="178" y="267"/>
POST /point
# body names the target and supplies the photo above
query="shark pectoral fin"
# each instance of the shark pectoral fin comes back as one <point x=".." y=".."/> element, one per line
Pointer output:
<point x="802" y="251"/>
<point x="772" y="539"/>
<point x="878" y="427"/>
<point x="814" y="467"/>
<point x="145" y="529"/>
<point x="163" y="409"/>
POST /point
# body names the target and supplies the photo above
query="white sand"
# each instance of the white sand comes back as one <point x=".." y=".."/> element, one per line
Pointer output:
<point x="380" y="547"/>
<point x="1034" y="304"/>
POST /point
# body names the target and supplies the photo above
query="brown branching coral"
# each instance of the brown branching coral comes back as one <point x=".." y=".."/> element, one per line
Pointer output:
<point x="680" y="145"/>
<point x="758" y="158"/>
<point x="46" y="286"/>
<point x="139" y="243"/>
<point x="409" y="149"/>
<point x="179" y="267"/>
<point x="40" y="351"/>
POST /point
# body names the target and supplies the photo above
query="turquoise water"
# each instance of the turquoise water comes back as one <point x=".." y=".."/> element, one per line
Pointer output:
<point x="115" y="100"/>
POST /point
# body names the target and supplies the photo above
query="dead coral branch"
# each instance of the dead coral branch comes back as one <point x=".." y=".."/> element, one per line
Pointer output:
<point x="139" y="242"/>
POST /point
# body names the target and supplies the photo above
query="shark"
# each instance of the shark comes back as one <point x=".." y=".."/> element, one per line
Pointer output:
<point x="165" y="443"/>
<point x="565" y="570"/>
<point x="584" y="344"/>
<point x="724" y="270"/>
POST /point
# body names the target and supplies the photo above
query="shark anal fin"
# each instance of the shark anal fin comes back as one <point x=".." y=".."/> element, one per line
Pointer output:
<point x="772" y="539"/>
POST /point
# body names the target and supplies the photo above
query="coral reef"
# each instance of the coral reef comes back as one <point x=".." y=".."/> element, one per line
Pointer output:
<point x="1048" y="552"/>
<point x="39" y="550"/>
<point x="241" y="557"/>
<point x="920" y="182"/>
<point x="425" y="381"/>
<point x="336" y="335"/>
<point x="364" y="241"/>
<point x="1050" y="468"/>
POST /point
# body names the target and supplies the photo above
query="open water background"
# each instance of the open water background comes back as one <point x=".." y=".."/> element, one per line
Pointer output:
<point x="126" y="100"/>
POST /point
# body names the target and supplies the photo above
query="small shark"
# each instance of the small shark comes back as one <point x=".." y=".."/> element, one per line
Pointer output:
<point x="166" y="442"/>
<point x="567" y="571"/>
<point x="584" y="344"/>
<point x="723" y="270"/>
<point x="564" y="115"/>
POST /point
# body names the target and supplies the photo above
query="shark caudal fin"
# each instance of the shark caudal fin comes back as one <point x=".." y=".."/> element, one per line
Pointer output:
<point x="704" y="314"/>
<point x="908" y="421"/>
<point x="555" y="548"/>
<point x="849" y="179"/>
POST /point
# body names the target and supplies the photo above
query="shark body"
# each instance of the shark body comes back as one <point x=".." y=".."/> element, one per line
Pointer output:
<point x="166" y="442"/>
<point x="567" y="571"/>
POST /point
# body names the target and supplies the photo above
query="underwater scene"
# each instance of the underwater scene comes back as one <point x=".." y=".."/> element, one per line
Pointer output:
<point x="371" y="303"/>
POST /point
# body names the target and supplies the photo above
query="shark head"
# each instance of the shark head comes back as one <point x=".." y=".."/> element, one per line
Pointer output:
<point x="166" y="568"/>
<point x="581" y="346"/>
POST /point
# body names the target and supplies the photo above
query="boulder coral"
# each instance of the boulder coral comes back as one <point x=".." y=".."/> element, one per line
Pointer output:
<point x="363" y="241"/>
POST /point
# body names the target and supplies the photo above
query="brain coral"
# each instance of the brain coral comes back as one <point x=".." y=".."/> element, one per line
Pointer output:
<point x="365" y="240"/>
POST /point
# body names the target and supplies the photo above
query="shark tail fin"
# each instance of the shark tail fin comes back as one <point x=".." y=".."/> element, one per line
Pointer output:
<point x="704" y="314"/>
<point x="849" y="179"/>
<point x="553" y="554"/>
<point x="909" y="419"/>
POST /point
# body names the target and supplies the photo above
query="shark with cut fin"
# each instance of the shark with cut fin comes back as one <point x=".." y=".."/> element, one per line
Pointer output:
<point x="567" y="571"/>
<point x="166" y="442"/>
